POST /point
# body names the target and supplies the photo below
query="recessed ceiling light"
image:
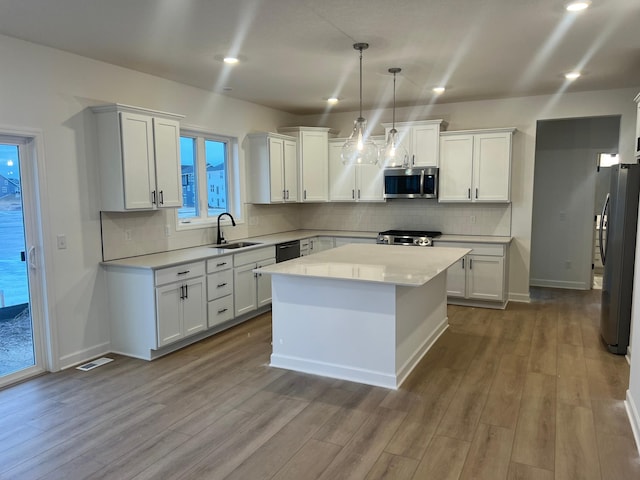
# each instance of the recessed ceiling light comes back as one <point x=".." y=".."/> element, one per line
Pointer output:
<point x="230" y="60"/>
<point x="578" y="6"/>
<point x="438" y="90"/>
<point x="571" y="75"/>
<point x="332" y="100"/>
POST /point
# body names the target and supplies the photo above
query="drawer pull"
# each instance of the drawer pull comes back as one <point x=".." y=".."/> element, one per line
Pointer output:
<point x="223" y="310"/>
<point x="221" y="264"/>
<point x="184" y="273"/>
<point x="220" y="285"/>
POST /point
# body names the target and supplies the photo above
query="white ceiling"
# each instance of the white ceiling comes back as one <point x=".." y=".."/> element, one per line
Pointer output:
<point x="296" y="52"/>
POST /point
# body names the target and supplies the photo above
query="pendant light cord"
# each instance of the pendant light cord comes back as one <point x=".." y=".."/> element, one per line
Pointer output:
<point x="360" y="82"/>
<point x="394" y="101"/>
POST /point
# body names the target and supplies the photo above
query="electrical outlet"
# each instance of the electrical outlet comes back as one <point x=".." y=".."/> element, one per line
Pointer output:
<point x="167" y="231"/>
<point x="127" y="235"/>
<point x="62" y="241"/>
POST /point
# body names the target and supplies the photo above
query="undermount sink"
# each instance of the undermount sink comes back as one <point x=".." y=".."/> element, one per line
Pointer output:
<point x="233" y="246"/>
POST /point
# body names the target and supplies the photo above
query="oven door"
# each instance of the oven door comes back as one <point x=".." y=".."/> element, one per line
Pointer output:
<point x="403" y="183"/>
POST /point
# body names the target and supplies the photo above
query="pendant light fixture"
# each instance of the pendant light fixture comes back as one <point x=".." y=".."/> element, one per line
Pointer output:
<point x="394" y="153"/>
<point x="359" y="148"/>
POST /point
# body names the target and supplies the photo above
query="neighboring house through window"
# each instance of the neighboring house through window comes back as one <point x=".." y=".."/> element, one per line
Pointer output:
<point x="207" y="165"/>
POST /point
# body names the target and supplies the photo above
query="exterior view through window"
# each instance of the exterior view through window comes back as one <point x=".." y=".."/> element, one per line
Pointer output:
<point x="205" y="162"/>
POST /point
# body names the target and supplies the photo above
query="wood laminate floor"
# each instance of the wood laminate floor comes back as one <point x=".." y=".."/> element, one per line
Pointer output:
<point x="526" y="393"/>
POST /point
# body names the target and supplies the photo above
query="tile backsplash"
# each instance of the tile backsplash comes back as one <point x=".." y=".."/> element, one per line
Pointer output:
<point x="468" y="219"/>
<point x="140" y="233"/>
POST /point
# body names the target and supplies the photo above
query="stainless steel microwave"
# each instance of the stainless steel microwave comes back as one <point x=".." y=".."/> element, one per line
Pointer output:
<point x="413" y="182"/>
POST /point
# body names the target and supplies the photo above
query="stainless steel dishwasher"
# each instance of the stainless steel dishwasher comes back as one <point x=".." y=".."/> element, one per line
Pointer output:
<point x="287" y="251"/>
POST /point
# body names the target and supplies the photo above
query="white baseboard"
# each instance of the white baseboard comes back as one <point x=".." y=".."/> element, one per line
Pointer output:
<point x="519" y="297"/>
<point x="83" y="356"/>
<point x="634" y="418"/>
<point x="541" y="282"/>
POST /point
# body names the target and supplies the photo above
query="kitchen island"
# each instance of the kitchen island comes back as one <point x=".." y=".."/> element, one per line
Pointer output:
<point x="364" y="313"/>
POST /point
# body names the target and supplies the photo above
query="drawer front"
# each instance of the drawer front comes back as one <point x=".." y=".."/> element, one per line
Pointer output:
<point x="219" y="263"/>
<point x="179" y="272"/>
<point x="219" y="284"/>
<point x="494" y="250"/>
<point x="219" y="311"/>
<point x="253" y="256"/>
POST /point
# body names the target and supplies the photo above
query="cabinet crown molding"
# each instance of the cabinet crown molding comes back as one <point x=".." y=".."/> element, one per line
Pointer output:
<point x="120" y="107"/>
<point x="479" y="131"/>
<point x="439" y="121"/>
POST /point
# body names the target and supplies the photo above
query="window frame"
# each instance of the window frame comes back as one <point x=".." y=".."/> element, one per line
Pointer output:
<point x="200" y="167"/>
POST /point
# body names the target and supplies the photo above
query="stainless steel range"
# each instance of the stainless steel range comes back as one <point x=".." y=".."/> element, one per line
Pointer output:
<point x="418" y="238"/>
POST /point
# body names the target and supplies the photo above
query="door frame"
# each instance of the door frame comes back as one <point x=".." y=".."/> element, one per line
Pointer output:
<point x="37" y="227"/>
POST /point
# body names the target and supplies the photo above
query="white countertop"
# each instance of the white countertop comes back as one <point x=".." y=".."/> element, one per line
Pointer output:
<point x="398" y="265"/>
<point x="193" y="254"/>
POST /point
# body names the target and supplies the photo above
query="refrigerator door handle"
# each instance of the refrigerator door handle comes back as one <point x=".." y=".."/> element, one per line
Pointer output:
<point x="603" y="249"/>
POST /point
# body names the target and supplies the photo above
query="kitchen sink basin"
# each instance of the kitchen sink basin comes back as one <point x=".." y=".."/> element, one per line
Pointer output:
<point x="233" y="246"/>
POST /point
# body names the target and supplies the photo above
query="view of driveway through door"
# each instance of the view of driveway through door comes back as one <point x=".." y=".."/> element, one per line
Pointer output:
<point x="17" y="352"/>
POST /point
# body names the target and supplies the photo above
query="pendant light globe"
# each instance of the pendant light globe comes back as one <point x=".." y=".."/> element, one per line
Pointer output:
<point x="394" y="153"/>
<point x="359" y="148"/>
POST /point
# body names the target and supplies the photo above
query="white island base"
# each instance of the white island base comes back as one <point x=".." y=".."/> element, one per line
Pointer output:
<point x="366" y="332"/>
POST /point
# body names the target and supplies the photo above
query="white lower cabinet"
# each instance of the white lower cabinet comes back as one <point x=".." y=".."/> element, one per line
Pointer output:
<point x="478" y="277"/>
<point x="219" y="290"/>
<point x="319" y="244"/>
<point x="181" y="304"/>
<point x="251" y="290"/>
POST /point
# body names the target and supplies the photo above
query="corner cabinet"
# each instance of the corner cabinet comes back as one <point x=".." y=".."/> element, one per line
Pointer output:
<point x="480" y="277"/>
<point x="421" y="139"/>
<point x="272" y="168"/>
<point x="354" y="183"/>
<point x="475" y="166"/>
<point x="139" y="158"/>
<point x="313" y="161"/>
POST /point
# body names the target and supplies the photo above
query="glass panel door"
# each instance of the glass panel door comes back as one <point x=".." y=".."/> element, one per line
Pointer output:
<point x="16" y="327"/>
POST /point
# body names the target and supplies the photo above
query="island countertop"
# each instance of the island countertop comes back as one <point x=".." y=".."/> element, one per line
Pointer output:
<point x="389" y="264"/>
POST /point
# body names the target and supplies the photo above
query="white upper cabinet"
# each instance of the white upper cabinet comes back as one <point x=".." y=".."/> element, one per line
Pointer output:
<point x="313" y="160"/>
<point x="353" y="183"/>
<point x="475" y="166"/>
<point x="272" y="168"/>
<point x="421" y="139"/>
<point x="139" y="158"/>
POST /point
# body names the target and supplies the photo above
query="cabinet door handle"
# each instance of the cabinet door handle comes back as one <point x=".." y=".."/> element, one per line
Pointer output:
<point x="353" y="194"/>
<point x="476" y="193"/>
<point x="284" y="194"/>
<point x="161" y="197"/>
<point x="153" y="197"/>
<point x="413" y="159"/>
<point x="463" y="263"/>
<point x="358" y="194"/>
<point x="469" y="193"/>
<point x="221" y="264"/>
<point x="184" y="273"/>
<point x="181" y="292"/>
<point x="220" y="285"/>
<point x="222" y="310"/>
<point x="470" y="263"/>
<point x="287" y="194"/>
<point x="186" y="291"/>
<point x="305" y="194"/>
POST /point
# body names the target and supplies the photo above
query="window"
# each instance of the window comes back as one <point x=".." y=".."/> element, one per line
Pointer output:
<point x="206" y="165"/>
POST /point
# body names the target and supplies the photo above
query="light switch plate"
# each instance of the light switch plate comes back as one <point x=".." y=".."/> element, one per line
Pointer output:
<point x="62" y="241"/>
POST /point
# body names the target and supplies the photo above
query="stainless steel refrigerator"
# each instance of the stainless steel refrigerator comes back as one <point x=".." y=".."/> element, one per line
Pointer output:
<point x="617" y="248"/>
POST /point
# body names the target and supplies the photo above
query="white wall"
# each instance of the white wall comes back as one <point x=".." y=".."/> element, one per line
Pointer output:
<point x="522" y="113"/>
<point x="564" y="191"/>
<point x="50" y="90"/>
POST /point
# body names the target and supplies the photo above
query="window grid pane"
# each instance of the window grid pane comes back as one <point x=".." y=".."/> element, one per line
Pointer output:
<point x="216" y="166"/>
<point x="190" y="207"/>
